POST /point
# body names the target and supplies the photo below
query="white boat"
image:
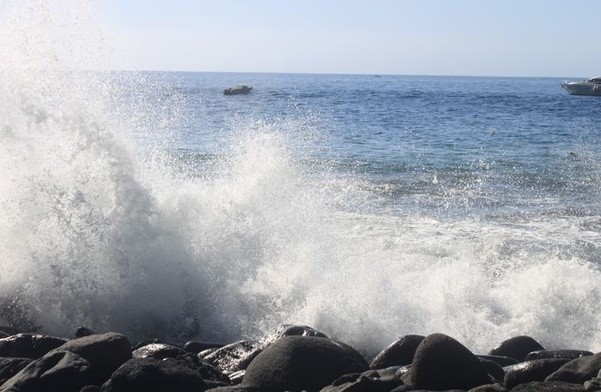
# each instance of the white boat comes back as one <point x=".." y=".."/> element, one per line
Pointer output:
<point x="590" y="86"/>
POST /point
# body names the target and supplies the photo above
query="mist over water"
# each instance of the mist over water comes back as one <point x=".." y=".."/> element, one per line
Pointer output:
<point x="121" y="210"/>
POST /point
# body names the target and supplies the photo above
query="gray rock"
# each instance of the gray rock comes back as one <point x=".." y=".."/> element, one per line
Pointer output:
<point x="441" y="362"/>
<point x="56" y="371"/>
<point x="237" y="90"/>
<point x="29" y="345"/>
<point x="528" y="371"/>
<point x="399" y="353"/>
<point x="235" y="356"/>
<point x="11" y="366"/>
<point x="567" y="354"/>
<point x="578" y="370"/>
<point x="106" y="352"/>
<point x="151" y="375"/>
<point x="302" y="362"/>
<point x="545" y="386"/>
<point x="517" y="347"/>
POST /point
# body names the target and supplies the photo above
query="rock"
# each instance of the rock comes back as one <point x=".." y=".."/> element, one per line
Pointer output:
<point x="83" y="331"/>
<point x="593" y="384"/>
<point x="90" y="388"/>
<point x="517" y="347"/>
<point x="567" y="354"/>
<point x="11" y="366"/>
<point x="56" y="371"/>
<point x="364" y="384"/>
<point x="441" y="362"/>
<point x="235" y="356"/>
<point x="159" y="351"/>
<point x="502" y="361"/>
<point x="302" y="362"/>
<point x="489" y="388"/>
<point x="528" y="371"/>
<point x="556" y="386"/>
<point x="297" y="330"/>
<point x="235" y="388"/>
<point x="237" y="90"/>
<point x="399" y="353"/>
<point x="29" y="345"/>
<point x="150" y="375"/>
<point x="106" y="352"/>
<point x="493" y="369"/>
<point x="195" y="346"/>
<point x="236" y="377"/>
<point x="578" y="370"/>
<point x="147" y="342"/>
<point x="163" y="351"/>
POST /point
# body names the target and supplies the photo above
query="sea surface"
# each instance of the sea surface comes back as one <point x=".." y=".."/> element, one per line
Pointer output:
<point x="366" y="206"/>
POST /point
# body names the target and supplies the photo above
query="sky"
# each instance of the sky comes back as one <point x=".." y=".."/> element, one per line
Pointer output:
<point x="408" y="37"/>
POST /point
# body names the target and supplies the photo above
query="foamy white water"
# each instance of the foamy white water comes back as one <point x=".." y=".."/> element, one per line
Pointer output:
<point x="99" y="226"/>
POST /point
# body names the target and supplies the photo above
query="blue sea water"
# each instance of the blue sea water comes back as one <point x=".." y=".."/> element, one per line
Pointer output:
<point x="489" y="148"/>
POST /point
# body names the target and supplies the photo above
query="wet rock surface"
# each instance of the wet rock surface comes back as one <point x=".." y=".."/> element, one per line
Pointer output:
<point x="293" y="358"/>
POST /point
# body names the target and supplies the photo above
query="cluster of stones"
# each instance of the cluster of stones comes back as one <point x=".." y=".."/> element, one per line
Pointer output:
<point x="295" y="358"/>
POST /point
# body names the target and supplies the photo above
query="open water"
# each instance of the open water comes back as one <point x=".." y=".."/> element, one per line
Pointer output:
<point x="367" y="206"/>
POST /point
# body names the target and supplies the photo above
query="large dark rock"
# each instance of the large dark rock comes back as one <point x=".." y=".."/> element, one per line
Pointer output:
<point x="151" y="375"/>
<point x="493" y="369"/>
<point x="29" y="345"/>
<point x="302" y="362"/>
<point x="502" y="361"/>
<point x="440" y="362"/>
<point x="556" y="386"/>
<point x="528" y="371"/>
<point x="517" y="347"/>
<point x="159" y="351"/>
<point x="11" y="366"/>
<point x="399" y="353"/>
<point x="83" y="331"/>
<point x="235" y="356"/>
<point x="380" y="380"/>
<point x="106" y="352"/>
<point x="163" y="351"/>
<point x="56" y="371"/>
<point x="578" y="370"/>
<point x="489" y="388"/>
<point x="297" y="330"/>
<point x="197" y="346"/>
<point x="235" y="388"/>
<point x="567" y="354"/>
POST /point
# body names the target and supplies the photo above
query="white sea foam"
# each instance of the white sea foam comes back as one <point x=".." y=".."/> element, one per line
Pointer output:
<point x="99" y="229"/>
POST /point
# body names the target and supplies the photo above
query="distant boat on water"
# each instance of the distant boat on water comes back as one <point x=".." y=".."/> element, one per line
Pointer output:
<point x="590" y="86"/>
<point x="237" y="90"/>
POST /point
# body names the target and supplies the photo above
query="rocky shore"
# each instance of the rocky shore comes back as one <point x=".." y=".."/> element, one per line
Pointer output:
<point x="294" y="358"/>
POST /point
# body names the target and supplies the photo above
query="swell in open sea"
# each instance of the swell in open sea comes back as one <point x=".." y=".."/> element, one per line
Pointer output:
<point x="367" y="206"/>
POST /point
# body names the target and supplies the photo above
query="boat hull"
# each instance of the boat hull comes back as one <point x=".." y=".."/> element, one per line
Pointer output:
<point x="582" y="88"/>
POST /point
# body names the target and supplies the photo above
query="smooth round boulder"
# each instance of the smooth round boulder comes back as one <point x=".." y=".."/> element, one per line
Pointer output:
<point x="528" y="371"/>
<point x="578" y="370"/>
<point x="29" y="345"/>
<point x="399" y="353"/>
<point x="106" y="352"/>
<point x="56" y="371"/>
<point x="151" y="375"/>
<point x="298" y="363"/>
<point x="566" y="354"/>
<point x="440" y="362"/>
<point x="544" y="386"/>
<point x="517" y="347"/>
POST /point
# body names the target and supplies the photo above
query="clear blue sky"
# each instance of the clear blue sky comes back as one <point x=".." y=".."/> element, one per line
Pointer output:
<point x="433" y="37"/>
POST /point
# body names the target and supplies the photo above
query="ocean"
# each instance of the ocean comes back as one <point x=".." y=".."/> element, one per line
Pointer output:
<point x="366" y="206"/>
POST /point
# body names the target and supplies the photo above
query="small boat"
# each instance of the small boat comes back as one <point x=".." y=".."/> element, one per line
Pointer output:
<point x="590" y="86"/>
<point x="237" y="90"/>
